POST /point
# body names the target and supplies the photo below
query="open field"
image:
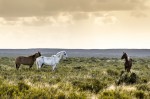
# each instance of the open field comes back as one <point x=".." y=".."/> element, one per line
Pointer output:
<point x="75" y="78"/>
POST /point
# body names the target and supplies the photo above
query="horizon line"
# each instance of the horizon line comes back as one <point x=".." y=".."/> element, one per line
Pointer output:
<point x="73" y="48"/>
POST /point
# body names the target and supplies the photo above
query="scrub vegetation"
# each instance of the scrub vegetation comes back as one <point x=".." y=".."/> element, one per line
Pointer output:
<point x="76" y="78"/>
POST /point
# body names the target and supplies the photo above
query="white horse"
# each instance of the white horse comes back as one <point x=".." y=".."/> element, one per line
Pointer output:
<point x="52" y="61"/>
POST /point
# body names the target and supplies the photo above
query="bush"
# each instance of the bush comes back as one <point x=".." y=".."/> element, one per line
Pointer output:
<point x="61" y="96"/>
<point x="112" y="72"/>
<point x="22" y="86"/>
<point x="92" y="85"/>
<point x="133" y="78"/>
<point x="144" y="80"/>
<point x="143" y="87"/>
<point x="139" y="94"/>
<point x="38" y="94"/>
<point x="37" y="78"/>
<point x="12" y="92"/>
<point x="113" y="95"/>
<point x="127" y="78"/>
<point x="74" y="95"/>
<point x="7" y="91"/>
<point x="93" y="59"/>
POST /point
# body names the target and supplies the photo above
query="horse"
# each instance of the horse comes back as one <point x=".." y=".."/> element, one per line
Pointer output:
<point x="26" y="60"/>
<point x="51" y="61"/>
<point x="128" y="62"/>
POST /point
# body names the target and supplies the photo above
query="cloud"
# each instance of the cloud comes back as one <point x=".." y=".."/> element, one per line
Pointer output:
<point x="105" y="19"/>
<point x="61" y="19"/>
<point x="80" y="15"/>
<point x="139" y="14"/>
<point x="28" y="8"/>
<point x="65" y="12"/>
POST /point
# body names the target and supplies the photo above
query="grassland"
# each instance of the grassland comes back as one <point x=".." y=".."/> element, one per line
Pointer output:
<point x="75" y="78"/>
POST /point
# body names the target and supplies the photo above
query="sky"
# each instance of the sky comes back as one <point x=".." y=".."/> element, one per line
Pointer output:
<point x="75" y="24"/>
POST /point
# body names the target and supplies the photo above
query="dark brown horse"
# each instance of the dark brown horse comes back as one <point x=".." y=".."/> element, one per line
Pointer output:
<point x="26" y="60"/>
<point x="128" y="62"/>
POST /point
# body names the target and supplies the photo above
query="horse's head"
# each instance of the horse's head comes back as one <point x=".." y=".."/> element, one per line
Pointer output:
<point x="62" y="54"/>
<point x="65" y="55"/>
<point x="38" y="54"/>
<point x="124" y="55"/>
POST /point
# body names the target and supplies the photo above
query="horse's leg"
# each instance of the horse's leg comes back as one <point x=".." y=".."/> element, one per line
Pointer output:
<point x="130" y="66"/>
<point x="37" y="65"/>
<point x="125" y="68"/>
<point x="30" y="66"/>
<point x="129" y="69"/>
<point x="42" y="65"/>
<point x="54" y="67"/>
<point x="17" y="66"/>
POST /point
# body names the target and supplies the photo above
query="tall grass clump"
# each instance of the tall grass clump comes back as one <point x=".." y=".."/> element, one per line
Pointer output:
<point x="92" y="85"/>
<point x="113" y="95"/>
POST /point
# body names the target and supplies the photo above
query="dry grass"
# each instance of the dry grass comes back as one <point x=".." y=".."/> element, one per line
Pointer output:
<point x="78" y="78"/>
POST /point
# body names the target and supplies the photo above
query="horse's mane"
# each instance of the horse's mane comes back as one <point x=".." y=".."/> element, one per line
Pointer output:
<point x="32" y="55"/>
<point x="129" y="58"/>
<point x="53" y="55"/>
<point x="59" y="54"/>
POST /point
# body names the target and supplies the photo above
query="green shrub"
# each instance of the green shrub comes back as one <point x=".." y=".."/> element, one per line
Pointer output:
<point x="54" y="81"/>
<point x="143" y="87"/>
<point x="61" y="96"/>
<point x="127" y="78"/>
<point x="113" y="95"/>
<point x="133" y="78"/>
<point x="74" y="95"/>
<point x="144" y="80"/>
<point x="1" y="81"/>
<point x="139" y="94"/>
<point x="112" y="72"/>
<point x="39" y="94"/>
<point x="12" y="92"/>
<point x="37" y="78"/>
<point x="92" y="85"/>
<point x="22" y="86"/>
<point x="93" y="59"/>
<point x="9" y="91"/>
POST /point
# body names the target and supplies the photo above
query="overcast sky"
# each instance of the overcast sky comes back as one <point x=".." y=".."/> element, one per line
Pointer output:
<point x="85" y="24"/>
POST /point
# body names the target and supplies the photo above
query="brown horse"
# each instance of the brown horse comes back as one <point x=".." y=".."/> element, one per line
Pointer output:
<point x="128" y="62"/>
<point x="26" y="60"/>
